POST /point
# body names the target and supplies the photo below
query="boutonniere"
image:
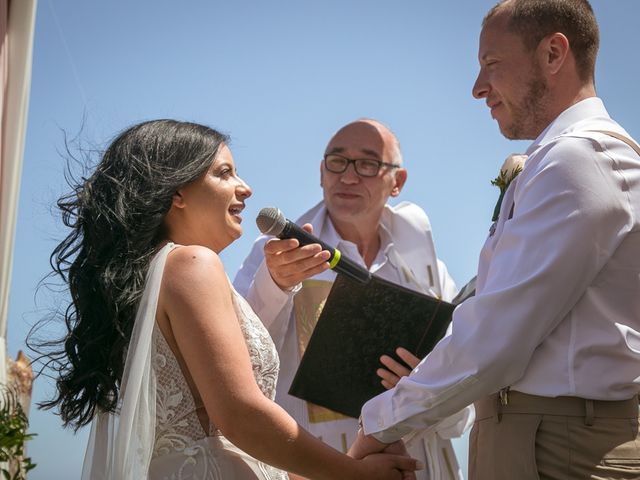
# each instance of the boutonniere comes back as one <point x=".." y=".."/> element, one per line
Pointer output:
<point x="510" y="169"/>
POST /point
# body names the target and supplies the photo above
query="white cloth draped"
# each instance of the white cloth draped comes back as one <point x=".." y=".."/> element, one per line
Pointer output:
<point x="120" y="446"/>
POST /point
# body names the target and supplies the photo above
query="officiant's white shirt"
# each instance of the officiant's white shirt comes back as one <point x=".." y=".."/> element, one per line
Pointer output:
<point x="557" y="310"/>
<point x="275" y="306"/>
<point x="407" y="257"/>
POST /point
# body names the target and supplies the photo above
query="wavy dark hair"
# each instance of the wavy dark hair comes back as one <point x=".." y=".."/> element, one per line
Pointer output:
<point x="116" y="218"/>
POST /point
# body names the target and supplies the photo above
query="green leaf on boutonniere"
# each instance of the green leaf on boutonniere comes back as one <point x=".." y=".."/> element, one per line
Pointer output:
<point x="510" y="169"/>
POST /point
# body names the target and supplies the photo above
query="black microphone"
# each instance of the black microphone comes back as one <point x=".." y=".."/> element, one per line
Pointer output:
<point x="271" y="221"/>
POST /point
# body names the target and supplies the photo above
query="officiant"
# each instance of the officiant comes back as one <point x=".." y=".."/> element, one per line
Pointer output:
<point x="362" y="168"/>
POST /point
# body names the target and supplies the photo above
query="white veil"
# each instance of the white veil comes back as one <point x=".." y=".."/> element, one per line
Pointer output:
<point x="120" y="446"/>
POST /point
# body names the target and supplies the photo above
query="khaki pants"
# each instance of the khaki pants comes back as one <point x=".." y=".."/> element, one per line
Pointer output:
<point x="564" y="438"/>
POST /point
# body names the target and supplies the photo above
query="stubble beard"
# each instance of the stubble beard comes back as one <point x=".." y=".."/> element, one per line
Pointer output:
<point x="529" y="116"/>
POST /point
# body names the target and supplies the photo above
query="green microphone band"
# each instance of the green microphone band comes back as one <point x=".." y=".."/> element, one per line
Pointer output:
<point x="336" y="258"/>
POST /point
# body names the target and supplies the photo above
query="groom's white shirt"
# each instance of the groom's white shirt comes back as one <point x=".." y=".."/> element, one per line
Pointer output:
<point x="557" y="308"/>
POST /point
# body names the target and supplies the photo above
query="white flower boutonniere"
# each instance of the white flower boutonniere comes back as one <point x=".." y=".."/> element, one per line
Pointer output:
<point x="511" y="167"/>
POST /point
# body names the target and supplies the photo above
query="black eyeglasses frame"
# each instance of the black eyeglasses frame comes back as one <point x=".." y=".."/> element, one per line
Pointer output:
<point x="355" y="161"/>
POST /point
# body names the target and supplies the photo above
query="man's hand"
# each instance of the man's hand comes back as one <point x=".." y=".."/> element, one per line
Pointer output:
<point x="289" y="263"/>
<point x="396" y="370"/>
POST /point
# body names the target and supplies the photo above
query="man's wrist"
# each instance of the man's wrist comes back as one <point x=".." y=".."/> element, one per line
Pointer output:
<point x="365" y="445"/>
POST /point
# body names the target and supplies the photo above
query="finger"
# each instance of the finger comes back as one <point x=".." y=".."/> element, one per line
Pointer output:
<point x="295" y="277"/>
<point x="276" y="245"/>
<point x="396" y="367"/>
<point x="406" y="464"/>
<point x="398" y="448"/>
<point x="309" y="255"/>
<point x="304" y="252"/>
<point x="388" y="385"/>
<point x="407" y="475"/>
<point x="286" y="275"/>
<point x="408" y="357"/>
<point x="308" y="227"/>
<point x="295" y="261"/>
<point x="387" y="376"/>
<point x="298" y="262"/>
<point x="320" y="267"/>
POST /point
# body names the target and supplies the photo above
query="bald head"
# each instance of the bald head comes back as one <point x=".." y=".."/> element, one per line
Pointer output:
<point x="355" y="194"/>
<point x="372" y="138"/>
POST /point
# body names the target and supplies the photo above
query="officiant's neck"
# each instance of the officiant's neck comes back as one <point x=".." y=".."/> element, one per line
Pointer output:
<point x="365" y="235"/>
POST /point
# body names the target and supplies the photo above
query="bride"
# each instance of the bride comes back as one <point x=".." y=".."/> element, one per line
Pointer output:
<point x="168" y="363"/>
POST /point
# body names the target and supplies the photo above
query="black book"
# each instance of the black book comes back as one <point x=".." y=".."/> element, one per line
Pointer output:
<point x="359" y="323"/>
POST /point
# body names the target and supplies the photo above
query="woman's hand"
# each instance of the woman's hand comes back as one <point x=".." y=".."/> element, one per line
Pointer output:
<point x="383" y="460"/>
<point x="396" y="370"/>
<point x="389" y="466"/>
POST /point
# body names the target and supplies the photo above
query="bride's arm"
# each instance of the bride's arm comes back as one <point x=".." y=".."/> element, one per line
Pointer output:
<point x="196" y="298"/>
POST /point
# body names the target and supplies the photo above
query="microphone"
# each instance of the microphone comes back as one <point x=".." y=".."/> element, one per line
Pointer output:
<point x="272" y="221"/>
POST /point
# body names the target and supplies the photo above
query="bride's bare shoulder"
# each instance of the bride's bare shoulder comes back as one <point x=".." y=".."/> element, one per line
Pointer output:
<point x="192" y="267"/>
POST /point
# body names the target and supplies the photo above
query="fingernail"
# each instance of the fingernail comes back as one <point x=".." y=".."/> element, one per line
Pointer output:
<point x="419" y="465"/>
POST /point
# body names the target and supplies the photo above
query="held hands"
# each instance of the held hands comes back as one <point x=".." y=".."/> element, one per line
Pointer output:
<point x="370" y="449"/>
<point x="396" y="370"/>
<point x="383" y="461"/>
<point x="289" y="263"/>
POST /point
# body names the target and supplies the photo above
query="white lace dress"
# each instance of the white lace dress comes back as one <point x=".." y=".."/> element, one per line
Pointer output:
<point x="183" y="449"/>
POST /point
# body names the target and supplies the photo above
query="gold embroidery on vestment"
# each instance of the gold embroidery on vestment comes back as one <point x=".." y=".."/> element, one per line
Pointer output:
<point x="308" y="304"/>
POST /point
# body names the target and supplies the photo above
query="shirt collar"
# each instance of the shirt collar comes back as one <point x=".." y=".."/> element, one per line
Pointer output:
<point x="329" y="234"/>
<point x="331" y="237"/>
<point x="570" y="120"/>
<point x="386" y="241"/>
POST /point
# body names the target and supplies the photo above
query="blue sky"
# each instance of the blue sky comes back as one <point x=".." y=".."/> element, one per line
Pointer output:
<point x="280" y="77"/>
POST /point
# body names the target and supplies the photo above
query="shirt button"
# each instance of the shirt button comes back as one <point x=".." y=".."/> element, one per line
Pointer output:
<point x="380" y="422"/>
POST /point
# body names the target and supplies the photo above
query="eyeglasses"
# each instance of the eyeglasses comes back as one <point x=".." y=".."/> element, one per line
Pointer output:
<point x="365" y="167"/>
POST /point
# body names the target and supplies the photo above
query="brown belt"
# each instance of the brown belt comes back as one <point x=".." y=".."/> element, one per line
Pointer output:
<point x="522" y="403"/>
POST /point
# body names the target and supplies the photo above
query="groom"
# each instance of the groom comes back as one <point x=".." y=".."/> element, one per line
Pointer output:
<point x="548" y="349"/>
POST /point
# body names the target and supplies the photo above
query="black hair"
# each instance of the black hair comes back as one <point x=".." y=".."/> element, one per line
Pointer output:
<point x="116" y="217"/>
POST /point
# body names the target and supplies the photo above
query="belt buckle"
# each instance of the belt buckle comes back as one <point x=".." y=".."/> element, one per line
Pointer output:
<point x="503" y="395"/>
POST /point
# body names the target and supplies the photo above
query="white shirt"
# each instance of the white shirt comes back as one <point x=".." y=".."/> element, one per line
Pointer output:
<point x="557" y="308"/>
<point x="406" y="257"/>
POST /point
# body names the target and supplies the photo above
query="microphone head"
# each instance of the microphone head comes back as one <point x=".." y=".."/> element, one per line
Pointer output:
<point x="271" y="221"/>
